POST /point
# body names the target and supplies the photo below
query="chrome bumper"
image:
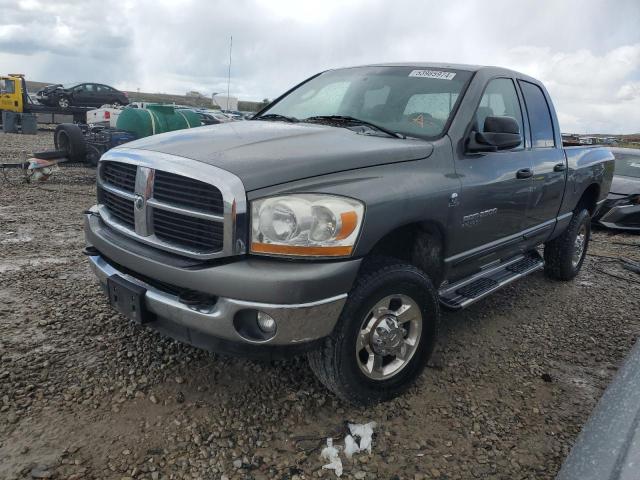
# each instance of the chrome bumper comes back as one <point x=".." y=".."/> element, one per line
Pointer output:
<point x="296" y="323"/>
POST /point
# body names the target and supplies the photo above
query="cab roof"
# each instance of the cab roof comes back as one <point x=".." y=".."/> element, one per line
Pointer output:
<point x="491" y="70"/>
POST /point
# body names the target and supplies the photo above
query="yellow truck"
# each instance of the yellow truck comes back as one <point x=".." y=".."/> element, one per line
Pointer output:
<point x="12" y="92"/>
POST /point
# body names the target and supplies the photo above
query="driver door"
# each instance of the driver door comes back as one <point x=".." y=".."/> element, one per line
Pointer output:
<point x="82" y="94"/>
<point x="495" y="189"/>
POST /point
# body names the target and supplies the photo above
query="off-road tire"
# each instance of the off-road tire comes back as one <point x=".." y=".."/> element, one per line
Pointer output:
<point x="69" y="138"/>
<point x="335" y="363"/>
<point x="558" y="253"/>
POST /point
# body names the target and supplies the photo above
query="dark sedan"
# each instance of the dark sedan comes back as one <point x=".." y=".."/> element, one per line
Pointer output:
<point x="622" y="207"/>
<point x="82" y="95"/>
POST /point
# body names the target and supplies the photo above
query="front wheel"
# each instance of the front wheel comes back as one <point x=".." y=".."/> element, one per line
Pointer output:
<point x="63" y="102"/>
<point x="384" y="337"/>
<point x="564" y="255"/>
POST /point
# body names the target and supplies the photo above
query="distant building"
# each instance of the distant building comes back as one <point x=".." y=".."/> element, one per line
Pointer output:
<point x="223" y="102"/>
<point x="570" y="139"/>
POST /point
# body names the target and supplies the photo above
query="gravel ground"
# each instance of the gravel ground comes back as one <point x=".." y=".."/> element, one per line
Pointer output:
<point x="85" y="394"/>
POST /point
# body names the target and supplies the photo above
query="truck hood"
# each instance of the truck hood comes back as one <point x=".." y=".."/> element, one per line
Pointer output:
<point x="265" y="153"/>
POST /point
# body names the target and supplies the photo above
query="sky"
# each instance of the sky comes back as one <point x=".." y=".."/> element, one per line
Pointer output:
<point x="586" y="52"/>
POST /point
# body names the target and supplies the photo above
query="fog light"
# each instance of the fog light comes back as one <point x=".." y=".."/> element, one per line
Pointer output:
<point x="266" y="323"/>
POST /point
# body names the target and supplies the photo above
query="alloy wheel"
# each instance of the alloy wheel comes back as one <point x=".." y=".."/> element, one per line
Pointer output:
<point x="579" y="245"/>
<point x="389" y="337"/>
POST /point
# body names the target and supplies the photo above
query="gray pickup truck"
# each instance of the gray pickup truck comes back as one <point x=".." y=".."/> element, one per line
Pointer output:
<point x="343" y="216"/>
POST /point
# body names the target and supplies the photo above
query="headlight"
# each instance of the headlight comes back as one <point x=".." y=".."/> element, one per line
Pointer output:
<point x="310" y="225"/>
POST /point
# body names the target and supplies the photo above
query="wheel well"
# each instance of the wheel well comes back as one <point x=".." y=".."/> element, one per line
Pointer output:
<point x="420" y="244"/>
<point x="589" y="198"/>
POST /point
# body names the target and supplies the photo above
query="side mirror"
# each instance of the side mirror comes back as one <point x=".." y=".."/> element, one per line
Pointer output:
<point x="500" y="133"/>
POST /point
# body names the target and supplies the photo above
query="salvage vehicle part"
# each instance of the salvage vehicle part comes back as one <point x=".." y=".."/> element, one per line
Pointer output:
<point x="70" y="139"/>
<point x="39" y="167"/>
<point x="621" y="210"/>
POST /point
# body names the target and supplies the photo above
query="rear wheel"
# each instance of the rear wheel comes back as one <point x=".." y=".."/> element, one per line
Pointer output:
<point x="385" y="335"/>
<point x="564" y="255"/>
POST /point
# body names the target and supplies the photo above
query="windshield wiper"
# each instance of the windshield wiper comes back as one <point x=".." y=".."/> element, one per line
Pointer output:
<point x="353" y="121"/>
<point x="276" y="116"/>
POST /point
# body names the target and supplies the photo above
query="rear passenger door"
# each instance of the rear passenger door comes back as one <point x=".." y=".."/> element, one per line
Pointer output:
<point x="105" y="95"/>
<point x="495" y="189"/>
<point x="98" y="95"/>
<point x="549" y="165"/>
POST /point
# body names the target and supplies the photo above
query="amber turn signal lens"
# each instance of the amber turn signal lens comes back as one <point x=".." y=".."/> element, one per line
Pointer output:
<point x="297" y="250"/>
<point x="349" y="223"/>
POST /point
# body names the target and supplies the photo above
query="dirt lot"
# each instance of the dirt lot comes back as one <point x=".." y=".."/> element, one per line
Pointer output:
<point x="85" y="394"/>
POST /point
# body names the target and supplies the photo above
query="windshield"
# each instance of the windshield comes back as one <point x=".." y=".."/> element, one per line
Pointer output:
<point x="414" y="101"/>
<point x="628" y="164"/>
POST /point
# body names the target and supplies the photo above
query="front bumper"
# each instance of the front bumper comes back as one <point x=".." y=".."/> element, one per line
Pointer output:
<point x="304" y="299"/>
<point x="296" y="323"/>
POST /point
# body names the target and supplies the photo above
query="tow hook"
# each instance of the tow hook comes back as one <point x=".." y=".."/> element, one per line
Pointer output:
<point x="90" y="251"/>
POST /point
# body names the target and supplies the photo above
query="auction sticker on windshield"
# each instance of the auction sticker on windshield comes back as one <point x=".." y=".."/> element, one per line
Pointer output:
<point x="433" y="74"/>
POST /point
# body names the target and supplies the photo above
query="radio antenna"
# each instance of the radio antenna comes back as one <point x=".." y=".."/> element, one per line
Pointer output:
<point x="229" y="74"/>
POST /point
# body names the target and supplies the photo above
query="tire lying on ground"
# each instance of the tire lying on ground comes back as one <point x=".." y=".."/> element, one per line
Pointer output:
<point x="70" y="139"/>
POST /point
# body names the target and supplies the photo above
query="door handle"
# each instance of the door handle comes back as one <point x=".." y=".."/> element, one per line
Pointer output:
<point x="559" y="167"/>
<point x="524" y="173"/>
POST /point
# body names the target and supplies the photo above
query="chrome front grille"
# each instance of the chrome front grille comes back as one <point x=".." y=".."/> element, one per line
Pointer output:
<point x="120" y="208"/>
<point x="173" y="203"/>
<point x="188" y="232"/>
<point x="121" y="175"/>
<point x="187" y="192"/>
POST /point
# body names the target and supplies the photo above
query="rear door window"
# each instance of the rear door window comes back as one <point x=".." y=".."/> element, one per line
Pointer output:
<point x="539" y="115"/>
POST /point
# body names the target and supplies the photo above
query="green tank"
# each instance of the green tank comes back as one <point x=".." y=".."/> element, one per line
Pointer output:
<point x="154" y="119"/>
